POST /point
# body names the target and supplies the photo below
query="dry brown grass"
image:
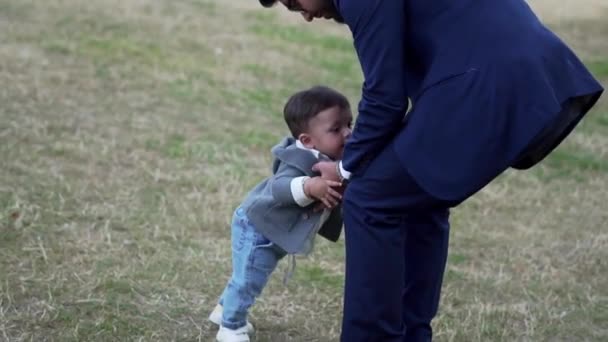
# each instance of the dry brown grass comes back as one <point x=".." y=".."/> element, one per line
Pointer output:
<point x="569" y="9"/>
<point x="129" y="130"/>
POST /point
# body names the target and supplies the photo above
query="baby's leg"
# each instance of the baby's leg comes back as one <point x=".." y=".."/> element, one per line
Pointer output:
<point x="254" y="258"/>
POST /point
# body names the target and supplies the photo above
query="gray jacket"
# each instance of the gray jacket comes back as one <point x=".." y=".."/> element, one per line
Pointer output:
<point x="272" y="210"/>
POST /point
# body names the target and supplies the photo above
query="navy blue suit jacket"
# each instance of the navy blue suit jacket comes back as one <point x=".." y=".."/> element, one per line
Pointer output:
<point x="484" y="77"/>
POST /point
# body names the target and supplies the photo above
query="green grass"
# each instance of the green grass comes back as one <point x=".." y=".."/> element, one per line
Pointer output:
<point x="129" y="131"/>
<point x="599" y="68"/>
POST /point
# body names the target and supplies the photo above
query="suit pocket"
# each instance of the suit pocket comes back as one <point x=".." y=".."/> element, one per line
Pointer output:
<point x="435" y="82"/>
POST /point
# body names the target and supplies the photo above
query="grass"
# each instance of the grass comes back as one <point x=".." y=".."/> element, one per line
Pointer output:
<point x="130" y="130"/>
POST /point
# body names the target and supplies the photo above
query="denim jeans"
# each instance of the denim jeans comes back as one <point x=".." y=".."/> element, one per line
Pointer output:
<point x="254" y="258"/>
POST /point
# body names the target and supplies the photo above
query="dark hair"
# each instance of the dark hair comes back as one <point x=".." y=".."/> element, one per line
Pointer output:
<point x="268" y="3"/>
<point x="306" y="104"/>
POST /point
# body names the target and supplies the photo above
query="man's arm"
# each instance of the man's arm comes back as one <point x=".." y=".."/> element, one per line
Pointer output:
<point x="378" y="28"/>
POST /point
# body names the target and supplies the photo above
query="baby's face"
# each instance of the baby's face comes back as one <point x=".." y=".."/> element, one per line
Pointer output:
<point x="314" y="9"/>
<point x="329" y="130"/>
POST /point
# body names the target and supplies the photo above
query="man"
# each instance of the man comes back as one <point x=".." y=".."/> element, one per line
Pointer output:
<point x="491" y="88"/>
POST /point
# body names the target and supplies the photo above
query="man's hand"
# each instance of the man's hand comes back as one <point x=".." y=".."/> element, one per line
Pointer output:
<point x="328" y="170"/>
<point x="323" y="190"/>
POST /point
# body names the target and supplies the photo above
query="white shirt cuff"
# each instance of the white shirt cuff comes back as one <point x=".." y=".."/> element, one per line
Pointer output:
<point x="345" y="174"/>
<point x="297" y="191"/>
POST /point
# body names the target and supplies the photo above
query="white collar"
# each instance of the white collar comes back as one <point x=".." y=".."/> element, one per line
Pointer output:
<point x="312" y="150"/>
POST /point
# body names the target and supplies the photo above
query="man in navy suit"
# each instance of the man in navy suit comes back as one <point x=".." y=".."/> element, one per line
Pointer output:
<point x="491" y="88"/>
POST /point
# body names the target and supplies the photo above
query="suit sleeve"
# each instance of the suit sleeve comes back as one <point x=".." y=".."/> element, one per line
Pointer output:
<point x="378" y="28"/>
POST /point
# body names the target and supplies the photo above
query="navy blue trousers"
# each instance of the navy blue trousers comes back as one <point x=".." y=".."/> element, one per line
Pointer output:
<point x="396" y="249"/>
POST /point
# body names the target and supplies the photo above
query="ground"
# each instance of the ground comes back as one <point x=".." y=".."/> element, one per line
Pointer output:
<point x="129" y="130"/>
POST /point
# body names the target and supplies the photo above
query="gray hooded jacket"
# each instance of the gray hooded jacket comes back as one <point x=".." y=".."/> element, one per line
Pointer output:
<point x="272" y="210"/>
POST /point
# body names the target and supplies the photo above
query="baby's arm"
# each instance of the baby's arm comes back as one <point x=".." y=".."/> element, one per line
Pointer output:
<point x="291" y="186"/>
<point x="322" y="189"/>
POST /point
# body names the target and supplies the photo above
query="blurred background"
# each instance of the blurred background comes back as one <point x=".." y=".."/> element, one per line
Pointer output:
<point x="130" y="129"/>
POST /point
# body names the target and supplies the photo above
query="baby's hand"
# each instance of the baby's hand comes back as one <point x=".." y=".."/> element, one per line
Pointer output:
<point x="323" y="190"/>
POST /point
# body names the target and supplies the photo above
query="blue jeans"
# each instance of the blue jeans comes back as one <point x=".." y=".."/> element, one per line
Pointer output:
<point x="254" y="258"/>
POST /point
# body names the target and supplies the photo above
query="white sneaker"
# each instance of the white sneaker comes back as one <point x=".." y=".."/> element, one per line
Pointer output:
<point x="216" y="318"/>
<point x="229" y="335"/>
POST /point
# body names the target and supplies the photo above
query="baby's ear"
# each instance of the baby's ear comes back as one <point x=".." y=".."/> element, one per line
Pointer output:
<point x="306" y="140"/>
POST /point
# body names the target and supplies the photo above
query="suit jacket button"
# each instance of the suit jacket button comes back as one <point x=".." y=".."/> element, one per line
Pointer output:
<point x="305" y="216"/>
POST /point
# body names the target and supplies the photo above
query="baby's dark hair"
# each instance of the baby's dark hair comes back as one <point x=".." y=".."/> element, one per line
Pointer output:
<point x="268" y="3"/>
<point x="306" y="104"/>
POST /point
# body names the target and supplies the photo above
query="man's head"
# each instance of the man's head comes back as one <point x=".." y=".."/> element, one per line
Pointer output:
<point x="309" y="9"/>
<point x="320" y="118"/>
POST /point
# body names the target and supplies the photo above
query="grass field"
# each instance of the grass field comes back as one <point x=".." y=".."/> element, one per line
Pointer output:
<point x="129" y="130"/>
